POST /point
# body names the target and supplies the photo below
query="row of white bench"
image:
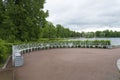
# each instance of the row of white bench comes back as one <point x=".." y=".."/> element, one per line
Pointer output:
<point x="17" y="50"/>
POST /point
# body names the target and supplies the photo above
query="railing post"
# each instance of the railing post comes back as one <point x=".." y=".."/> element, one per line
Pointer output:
<point x="13" y="56"/>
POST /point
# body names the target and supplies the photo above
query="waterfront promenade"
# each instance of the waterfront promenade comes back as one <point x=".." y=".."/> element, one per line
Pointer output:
<point x="70" y="64"/>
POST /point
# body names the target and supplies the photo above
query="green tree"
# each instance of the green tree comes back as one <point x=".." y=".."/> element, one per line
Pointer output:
<point x="25" y="19"/>
<point x="1" y="17"/>
<point x="49" y="31"/>
<point x="59" y="31"/>
<point x="97" y="33"/>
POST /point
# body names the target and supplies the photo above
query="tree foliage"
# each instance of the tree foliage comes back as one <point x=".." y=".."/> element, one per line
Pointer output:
<point x="21" y="19"/>
<point x="101" y="34"/>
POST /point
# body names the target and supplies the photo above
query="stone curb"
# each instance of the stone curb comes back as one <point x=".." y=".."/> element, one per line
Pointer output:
<point x="6" y="63"/>
<point x="118" y="64"/>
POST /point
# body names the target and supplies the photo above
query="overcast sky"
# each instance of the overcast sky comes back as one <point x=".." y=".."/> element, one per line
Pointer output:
<point x="85" y="15"/>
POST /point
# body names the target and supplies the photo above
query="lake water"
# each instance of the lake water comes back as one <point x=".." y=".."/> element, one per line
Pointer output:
<point x="114" y="41"/>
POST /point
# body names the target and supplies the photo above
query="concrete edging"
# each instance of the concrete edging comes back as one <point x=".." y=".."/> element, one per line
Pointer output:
<point x="5" y="65"/>
<point x="118" y="64"/>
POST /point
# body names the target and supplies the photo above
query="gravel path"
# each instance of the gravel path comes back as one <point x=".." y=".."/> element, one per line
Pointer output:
<point x="70" y="64"/>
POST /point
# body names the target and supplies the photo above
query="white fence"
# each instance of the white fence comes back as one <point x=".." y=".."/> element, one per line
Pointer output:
<point x="18" y="50"/>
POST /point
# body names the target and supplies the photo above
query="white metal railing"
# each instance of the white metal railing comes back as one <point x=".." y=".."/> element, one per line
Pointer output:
<point x="17" y="50"/>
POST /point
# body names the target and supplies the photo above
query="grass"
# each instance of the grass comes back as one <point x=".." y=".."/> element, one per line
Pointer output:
<point x="1" y="65"/>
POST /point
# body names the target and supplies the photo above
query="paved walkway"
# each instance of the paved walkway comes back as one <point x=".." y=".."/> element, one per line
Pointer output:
<point x="70" y="64"/>
<point x="8" y="73"/>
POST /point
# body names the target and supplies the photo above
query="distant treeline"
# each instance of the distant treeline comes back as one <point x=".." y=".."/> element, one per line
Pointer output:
<point x="100" y="34"/>
<point x="58" y="31"/>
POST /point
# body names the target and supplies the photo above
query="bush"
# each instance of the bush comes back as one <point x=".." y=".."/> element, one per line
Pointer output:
<point x="5" y="51"/>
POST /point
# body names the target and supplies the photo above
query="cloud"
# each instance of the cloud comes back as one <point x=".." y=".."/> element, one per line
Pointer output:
<point x="93" y="28"/>
<point x="84" y="12"/>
